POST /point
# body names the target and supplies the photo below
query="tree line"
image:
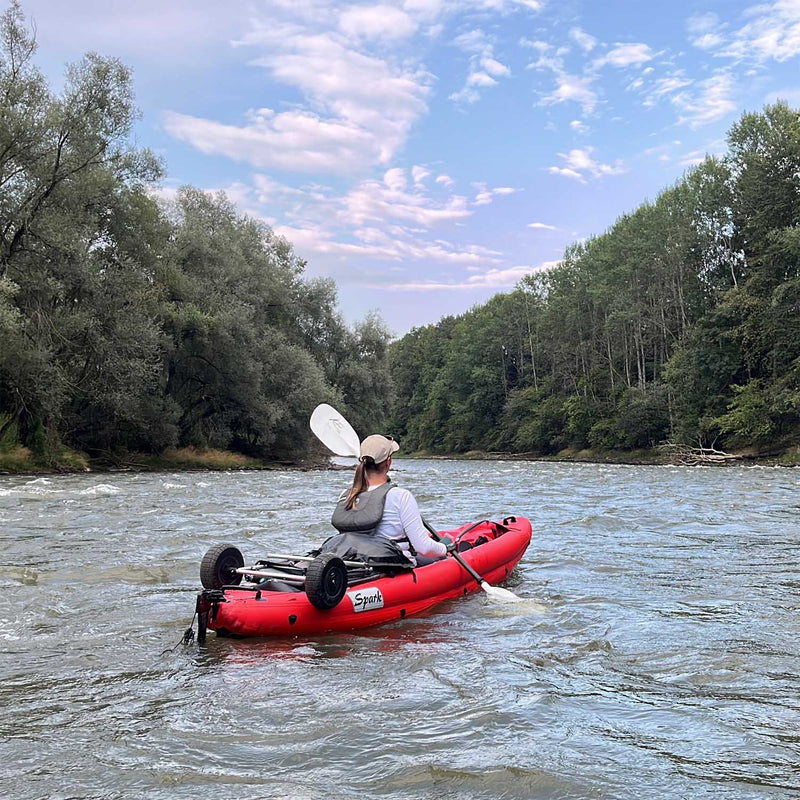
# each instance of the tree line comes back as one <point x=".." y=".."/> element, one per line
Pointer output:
<point x="132" y="324"/>
<point x="680" y="324"/>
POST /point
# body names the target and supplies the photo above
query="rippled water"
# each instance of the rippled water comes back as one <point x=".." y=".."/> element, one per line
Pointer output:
<point x="657" y="657"/>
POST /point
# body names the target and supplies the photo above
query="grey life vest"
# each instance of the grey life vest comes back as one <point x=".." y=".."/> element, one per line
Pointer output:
<point x="366" y="513"/>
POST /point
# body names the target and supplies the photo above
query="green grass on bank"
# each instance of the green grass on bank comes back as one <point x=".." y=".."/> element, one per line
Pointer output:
<point x="191" y="458"/>
<point x="791" y="458"/>
<point x="20" y="459"/>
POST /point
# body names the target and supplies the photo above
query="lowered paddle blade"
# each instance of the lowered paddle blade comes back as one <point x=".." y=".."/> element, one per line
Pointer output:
<point x="493" y="592"/>
<point x="499" y="594"/>
<point x="334" y="431"/>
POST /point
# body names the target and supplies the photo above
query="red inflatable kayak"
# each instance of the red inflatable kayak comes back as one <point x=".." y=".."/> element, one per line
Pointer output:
<point x="366" y="598"/>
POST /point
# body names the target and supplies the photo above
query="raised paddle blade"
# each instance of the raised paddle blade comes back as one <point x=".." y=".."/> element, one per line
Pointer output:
<point x="334" y="431"/>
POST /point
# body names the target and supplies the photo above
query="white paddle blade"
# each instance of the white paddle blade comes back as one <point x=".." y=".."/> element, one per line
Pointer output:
<point x="334" y="431"/>
<point x="499" y="594"/>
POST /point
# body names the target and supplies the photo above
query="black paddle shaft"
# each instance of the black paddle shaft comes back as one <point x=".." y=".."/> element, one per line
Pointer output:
<point x="456" y="554"/>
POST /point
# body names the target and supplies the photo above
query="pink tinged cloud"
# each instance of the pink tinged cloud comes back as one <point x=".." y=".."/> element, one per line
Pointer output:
<point x="376" y="22"/>
<point x="293" y="140"/>
<point x="491" y="279"/>
<point x="363" y="107"/>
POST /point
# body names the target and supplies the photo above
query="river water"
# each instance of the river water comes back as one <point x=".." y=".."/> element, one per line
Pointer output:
<point x="655" y="655"/>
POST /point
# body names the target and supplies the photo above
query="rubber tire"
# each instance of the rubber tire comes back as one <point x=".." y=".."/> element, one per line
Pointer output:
<point x="217" y="569"/>
<point x="326" y="581"/>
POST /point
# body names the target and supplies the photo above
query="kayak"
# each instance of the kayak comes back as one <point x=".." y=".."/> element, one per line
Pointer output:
<point x="299" y="595"/>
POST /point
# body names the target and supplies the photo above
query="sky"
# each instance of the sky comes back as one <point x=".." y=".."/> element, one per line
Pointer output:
<point x="427" y="154"/>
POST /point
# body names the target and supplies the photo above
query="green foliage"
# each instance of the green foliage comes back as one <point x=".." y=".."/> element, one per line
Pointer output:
<point x="681" y="323"/>
<point x="127" y="325"/>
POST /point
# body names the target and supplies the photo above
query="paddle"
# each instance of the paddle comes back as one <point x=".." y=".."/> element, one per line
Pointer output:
<point x="495" y="592"/>
<point x="337" y="434"/>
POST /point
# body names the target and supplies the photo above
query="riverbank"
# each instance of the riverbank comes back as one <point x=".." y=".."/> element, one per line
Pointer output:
<point x="21" y="461"/>
<point x="659" y="456"/>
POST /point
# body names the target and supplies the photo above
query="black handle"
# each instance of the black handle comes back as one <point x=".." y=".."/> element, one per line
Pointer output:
<point x="456" y="555"/>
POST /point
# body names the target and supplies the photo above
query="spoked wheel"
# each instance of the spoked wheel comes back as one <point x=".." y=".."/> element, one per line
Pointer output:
<point x="219" y="565"/>
<point x="326" y="580"/>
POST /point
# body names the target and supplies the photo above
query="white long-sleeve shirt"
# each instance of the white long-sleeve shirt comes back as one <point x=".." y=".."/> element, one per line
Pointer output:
<point x="401" y="519"/>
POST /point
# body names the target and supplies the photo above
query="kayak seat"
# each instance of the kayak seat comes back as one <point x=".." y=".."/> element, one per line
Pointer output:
<point x="273" y="585"/>
<point x="383" y="555"/>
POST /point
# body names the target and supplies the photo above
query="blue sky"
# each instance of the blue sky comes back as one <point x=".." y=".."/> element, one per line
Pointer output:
<point x="425" y="153"/>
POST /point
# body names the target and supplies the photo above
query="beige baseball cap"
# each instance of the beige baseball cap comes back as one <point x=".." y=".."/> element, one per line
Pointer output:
<point x="378" y="447"/>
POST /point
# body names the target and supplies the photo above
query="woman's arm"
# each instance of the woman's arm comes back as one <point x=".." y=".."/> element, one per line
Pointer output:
<point x="414" y="528"/>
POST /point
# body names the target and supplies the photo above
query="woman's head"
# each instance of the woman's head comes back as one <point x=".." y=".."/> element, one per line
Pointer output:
<point x="377" y="448"/>
<point x="375" y="456"/>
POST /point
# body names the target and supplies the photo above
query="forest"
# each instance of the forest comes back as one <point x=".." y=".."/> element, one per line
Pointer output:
<point x="132" y="321"/>
<point x="678" y="326"/>
<point x="131" y="324"/>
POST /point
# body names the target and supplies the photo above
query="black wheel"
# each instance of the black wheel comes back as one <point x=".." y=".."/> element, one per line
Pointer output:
<point x="219" y="565"/>
<point x="326" y="580"/>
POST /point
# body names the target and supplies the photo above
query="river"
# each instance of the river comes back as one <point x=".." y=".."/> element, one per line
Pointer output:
<point x="655" y="655"/>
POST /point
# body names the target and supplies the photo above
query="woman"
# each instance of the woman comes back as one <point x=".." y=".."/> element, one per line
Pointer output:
<point x="374" y="507"/>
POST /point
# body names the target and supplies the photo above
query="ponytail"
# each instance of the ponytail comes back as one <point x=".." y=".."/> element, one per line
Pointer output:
<point x="360" y="482"/>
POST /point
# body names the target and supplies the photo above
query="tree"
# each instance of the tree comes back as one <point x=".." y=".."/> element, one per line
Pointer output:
<point x="67" y="172"/>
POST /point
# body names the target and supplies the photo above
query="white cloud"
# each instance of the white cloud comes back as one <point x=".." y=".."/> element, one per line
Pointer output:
<point x="363" y="107"/>
<point x="374" y="243"/>
<point x="445" y="180"/>
<point x="575" y="89"/>
<point x="542" y="226"/>
<point x="426" y="9"/>
<point x="484" y="195"/>
<point x="419" y="174"/>
<point x="705" y="31"/>
<point x="364" y="90"/>
<point x="579" y="165"/>
<point x="480" y="79"/>
<point x="626" y="55"/>
<point x="294" y="140"/>
<point x="585" y="41"/>
<point x="666" y="86"/>
<point x="491" y="279"/>
<point x="772" y="33"/>
<point x="495" y="68"/>
<point x="712" y="101"/>
<point x="372" y="201"/>
<point x="376" y="22"/>
<point x="502" y="277"/>
<point x="485" y="69"/>
<point x="579" y="127"/>
<point x="395" y="179"/>
<point x="717" y="147"/>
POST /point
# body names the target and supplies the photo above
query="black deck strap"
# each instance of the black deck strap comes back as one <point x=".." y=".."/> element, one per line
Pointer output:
<point x="471" y="528"/>
<point x="507" y="520"/>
